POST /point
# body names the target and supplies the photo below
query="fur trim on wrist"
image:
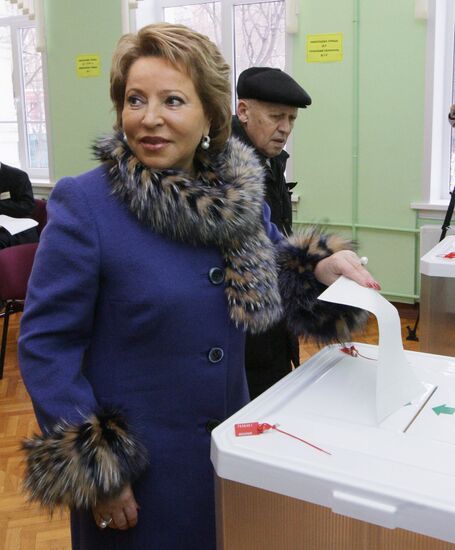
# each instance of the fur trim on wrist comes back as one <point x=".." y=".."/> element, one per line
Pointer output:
<point x="299" y="289"/>
<point x="76" y="465"/>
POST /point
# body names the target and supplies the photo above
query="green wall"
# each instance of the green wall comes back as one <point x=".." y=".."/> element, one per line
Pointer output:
<point x="80" y="108"/>
<point x="358" y="148"/>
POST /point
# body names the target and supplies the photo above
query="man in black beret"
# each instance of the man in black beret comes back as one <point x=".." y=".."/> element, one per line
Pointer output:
<point x="268" y="103"/>
<point x="16" y="201"/>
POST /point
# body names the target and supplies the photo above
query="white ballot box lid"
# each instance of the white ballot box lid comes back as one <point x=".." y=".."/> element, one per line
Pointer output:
<point x="440" y="260"/>
<point x="400" y="473"/>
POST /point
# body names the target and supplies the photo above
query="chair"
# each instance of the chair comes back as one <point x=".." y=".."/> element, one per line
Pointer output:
<point x="15" y="267"/>
<point x="39" y="214"/>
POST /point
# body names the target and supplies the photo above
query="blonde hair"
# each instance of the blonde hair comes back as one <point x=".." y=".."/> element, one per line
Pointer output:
<point x="189" y="51"/>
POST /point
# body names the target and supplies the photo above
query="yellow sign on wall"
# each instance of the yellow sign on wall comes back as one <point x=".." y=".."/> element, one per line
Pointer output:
<point x="324" y="48"/>
<point x="88" y="65"/>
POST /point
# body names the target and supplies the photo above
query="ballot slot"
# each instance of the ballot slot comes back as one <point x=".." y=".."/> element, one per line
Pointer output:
<point x="436" y="420"/>
<point x="432" y="391"/>
<point x="408" y="414"/>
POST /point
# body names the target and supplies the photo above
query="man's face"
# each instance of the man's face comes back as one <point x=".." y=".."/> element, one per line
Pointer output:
<point x="268" y="125"/>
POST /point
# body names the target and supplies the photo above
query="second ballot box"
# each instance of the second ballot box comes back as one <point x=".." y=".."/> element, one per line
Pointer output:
<point x="437" y="298"/>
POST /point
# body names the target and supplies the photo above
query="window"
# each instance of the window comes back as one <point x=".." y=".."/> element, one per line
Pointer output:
<point x="205" y="18"/>
<point x="23" y="135"/>
<point x="439" y="160"/>
<point x="248" y="33"/>
<point x="259" y="35"/>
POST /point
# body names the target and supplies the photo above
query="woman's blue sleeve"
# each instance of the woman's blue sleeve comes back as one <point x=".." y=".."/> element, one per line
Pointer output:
<point x="59" y="310"/>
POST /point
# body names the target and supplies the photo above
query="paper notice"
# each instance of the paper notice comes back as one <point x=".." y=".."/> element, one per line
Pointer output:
<point x="396" y="383"/>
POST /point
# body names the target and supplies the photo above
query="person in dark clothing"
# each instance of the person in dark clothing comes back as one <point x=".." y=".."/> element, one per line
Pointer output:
<point x="268" y="103"/>
<point x="16" y="201"/>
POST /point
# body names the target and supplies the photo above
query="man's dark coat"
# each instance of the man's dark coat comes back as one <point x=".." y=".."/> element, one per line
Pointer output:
<point x="268" y="356"/>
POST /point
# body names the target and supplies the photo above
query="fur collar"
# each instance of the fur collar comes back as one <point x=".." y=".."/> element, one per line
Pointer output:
<point x="223" y="206"/>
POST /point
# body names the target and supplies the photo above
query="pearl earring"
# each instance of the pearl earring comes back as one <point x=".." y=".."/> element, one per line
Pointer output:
<point x="205" y="142"/>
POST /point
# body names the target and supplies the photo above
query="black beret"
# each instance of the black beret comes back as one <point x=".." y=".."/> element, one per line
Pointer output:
<point x="272" y="85"/>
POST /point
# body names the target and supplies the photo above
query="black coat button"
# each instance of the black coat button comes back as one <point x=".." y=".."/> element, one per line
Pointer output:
<point x="216" y="275"/>
<point x="212" y="424"/>
<point x="215" y="355"/>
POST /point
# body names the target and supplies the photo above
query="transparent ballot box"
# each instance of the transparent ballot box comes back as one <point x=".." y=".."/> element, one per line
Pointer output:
<point x="437" y="299"/>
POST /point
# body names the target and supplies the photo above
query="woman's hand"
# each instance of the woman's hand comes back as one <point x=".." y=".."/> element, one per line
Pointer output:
<point x="347" y="263"/>
<point x="117" y="513"/>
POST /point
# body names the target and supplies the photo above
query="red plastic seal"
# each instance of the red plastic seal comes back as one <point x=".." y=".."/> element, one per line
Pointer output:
<point x="251" y="428"/>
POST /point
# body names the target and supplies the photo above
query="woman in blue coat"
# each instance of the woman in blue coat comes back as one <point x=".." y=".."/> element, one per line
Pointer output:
<point x="150" y="270"/>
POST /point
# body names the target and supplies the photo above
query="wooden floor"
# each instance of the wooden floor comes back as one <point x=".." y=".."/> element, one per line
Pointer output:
<point x="22" y="526"/>
<point x="26" y="527"/>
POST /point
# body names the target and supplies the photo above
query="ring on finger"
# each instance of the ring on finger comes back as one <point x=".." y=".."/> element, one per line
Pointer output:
<point x="104" y="523"/>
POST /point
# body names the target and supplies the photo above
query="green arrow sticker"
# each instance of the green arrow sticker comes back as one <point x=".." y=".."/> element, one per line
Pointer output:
<point x="443" y="409"/>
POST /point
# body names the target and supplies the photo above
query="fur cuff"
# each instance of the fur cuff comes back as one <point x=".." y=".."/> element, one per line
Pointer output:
<point x="77" y="465"/>
<point x="299" y="289"/>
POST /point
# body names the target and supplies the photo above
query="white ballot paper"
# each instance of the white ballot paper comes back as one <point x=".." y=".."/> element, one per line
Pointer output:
<point x="16" y="225"/>
<point x="396" y="383"/>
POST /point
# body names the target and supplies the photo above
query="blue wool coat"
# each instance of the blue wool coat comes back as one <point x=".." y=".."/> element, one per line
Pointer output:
<point x="119" y="315"/>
